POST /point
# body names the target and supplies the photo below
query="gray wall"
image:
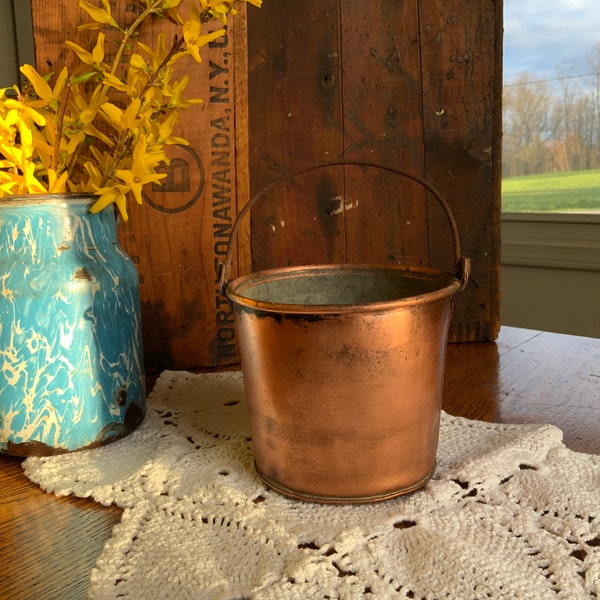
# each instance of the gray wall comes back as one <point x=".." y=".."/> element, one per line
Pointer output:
<point x="16" y="39"/>
<point x="551" y="272"/>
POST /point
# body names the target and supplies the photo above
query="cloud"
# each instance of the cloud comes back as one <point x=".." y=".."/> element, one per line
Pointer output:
<point x="540" y="35"/>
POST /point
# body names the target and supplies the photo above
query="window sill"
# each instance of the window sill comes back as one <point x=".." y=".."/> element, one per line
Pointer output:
<point x="552" y="240"/>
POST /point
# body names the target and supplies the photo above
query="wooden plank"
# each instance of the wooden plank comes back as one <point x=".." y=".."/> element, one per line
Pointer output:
<point x="336" y="216"/>
<point x="187" y="323"/>
<point x="48" y="545"/>
<point x="240" y="41"/>
<point x="382" y="123"/>
<point x="295" y="120"/>
<point x="460" y="43"/>
<point x="179" y="236"/>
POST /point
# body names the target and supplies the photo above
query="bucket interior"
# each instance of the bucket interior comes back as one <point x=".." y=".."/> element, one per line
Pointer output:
<point x="333" y="285"/>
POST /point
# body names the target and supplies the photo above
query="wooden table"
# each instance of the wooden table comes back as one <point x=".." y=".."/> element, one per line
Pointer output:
<point x="48" y="545"/>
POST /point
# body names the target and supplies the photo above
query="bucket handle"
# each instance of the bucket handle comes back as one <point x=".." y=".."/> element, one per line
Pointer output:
<point x="462" y="263"/>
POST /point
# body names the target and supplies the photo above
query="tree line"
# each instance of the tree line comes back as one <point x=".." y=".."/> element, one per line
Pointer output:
<point x="554" y="124"/>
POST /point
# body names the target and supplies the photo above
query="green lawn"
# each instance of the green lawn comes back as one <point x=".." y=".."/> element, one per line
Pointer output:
<point x="552" y="192"/>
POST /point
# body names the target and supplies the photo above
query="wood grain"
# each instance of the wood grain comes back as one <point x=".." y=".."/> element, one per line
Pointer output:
<point x="461" y="56"/>
<point x="414" y="85"/>
<point x="295" y="120"/>
<point x="386" y="219"/>
<point x="181" y="232"/>
<point x="529" y="377"/>
<point x="48" y="545"/>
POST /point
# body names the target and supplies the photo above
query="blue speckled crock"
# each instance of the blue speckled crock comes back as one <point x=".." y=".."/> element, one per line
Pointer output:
<point x="71" y="359"/>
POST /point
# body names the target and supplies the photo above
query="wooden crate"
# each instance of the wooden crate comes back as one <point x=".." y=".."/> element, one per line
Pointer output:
<point x="414" y="85"/>
<point x="181" y="233"/>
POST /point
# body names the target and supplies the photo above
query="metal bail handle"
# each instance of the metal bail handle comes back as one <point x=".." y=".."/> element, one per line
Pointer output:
<point x="462" y="263"/>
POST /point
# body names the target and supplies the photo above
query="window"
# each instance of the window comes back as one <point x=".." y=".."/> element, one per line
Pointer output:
<point x="551" y="106"/>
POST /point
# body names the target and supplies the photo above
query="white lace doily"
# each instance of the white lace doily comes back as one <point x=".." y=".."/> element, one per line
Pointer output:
<point x="510" y="513"/>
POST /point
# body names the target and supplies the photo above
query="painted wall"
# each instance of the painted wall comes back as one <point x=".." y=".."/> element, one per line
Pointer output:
<point x="16" y="40"/>
<point x="551" y="272"/>
<point x="551" y="300"/>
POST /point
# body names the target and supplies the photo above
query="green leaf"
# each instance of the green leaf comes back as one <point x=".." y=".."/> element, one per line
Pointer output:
<point x="83" y="78"/>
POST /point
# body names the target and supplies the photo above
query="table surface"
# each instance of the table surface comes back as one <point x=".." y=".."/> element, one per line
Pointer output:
<point x="48" y="544"/>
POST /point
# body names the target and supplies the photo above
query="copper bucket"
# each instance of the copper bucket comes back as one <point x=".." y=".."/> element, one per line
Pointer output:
<point x="343" y="368"/>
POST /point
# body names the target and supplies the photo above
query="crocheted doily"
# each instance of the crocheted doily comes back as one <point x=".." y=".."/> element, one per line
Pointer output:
<point x="510" y="513"/>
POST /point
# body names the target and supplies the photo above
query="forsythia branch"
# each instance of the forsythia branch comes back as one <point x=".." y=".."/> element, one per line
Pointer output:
<point x="73" y="137"/>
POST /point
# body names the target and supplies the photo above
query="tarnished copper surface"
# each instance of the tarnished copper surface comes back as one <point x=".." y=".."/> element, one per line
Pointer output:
<point x="343" y="367"/>
<point x="343" y="370"/>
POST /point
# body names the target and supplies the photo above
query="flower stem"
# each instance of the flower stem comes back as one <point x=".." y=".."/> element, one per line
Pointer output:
<point x="130" y="32"/>
<point x="60" y="124"/>
<point x="121" y="151"/>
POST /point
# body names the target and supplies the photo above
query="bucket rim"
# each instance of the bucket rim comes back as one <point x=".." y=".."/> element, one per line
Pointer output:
<point x="253" y="279"/>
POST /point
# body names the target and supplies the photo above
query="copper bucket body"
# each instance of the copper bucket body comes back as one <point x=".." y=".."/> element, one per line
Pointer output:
<point x="343" y="370"/>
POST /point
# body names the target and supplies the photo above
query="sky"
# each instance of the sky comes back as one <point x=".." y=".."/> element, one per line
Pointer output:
<point x="543" y="37"/>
